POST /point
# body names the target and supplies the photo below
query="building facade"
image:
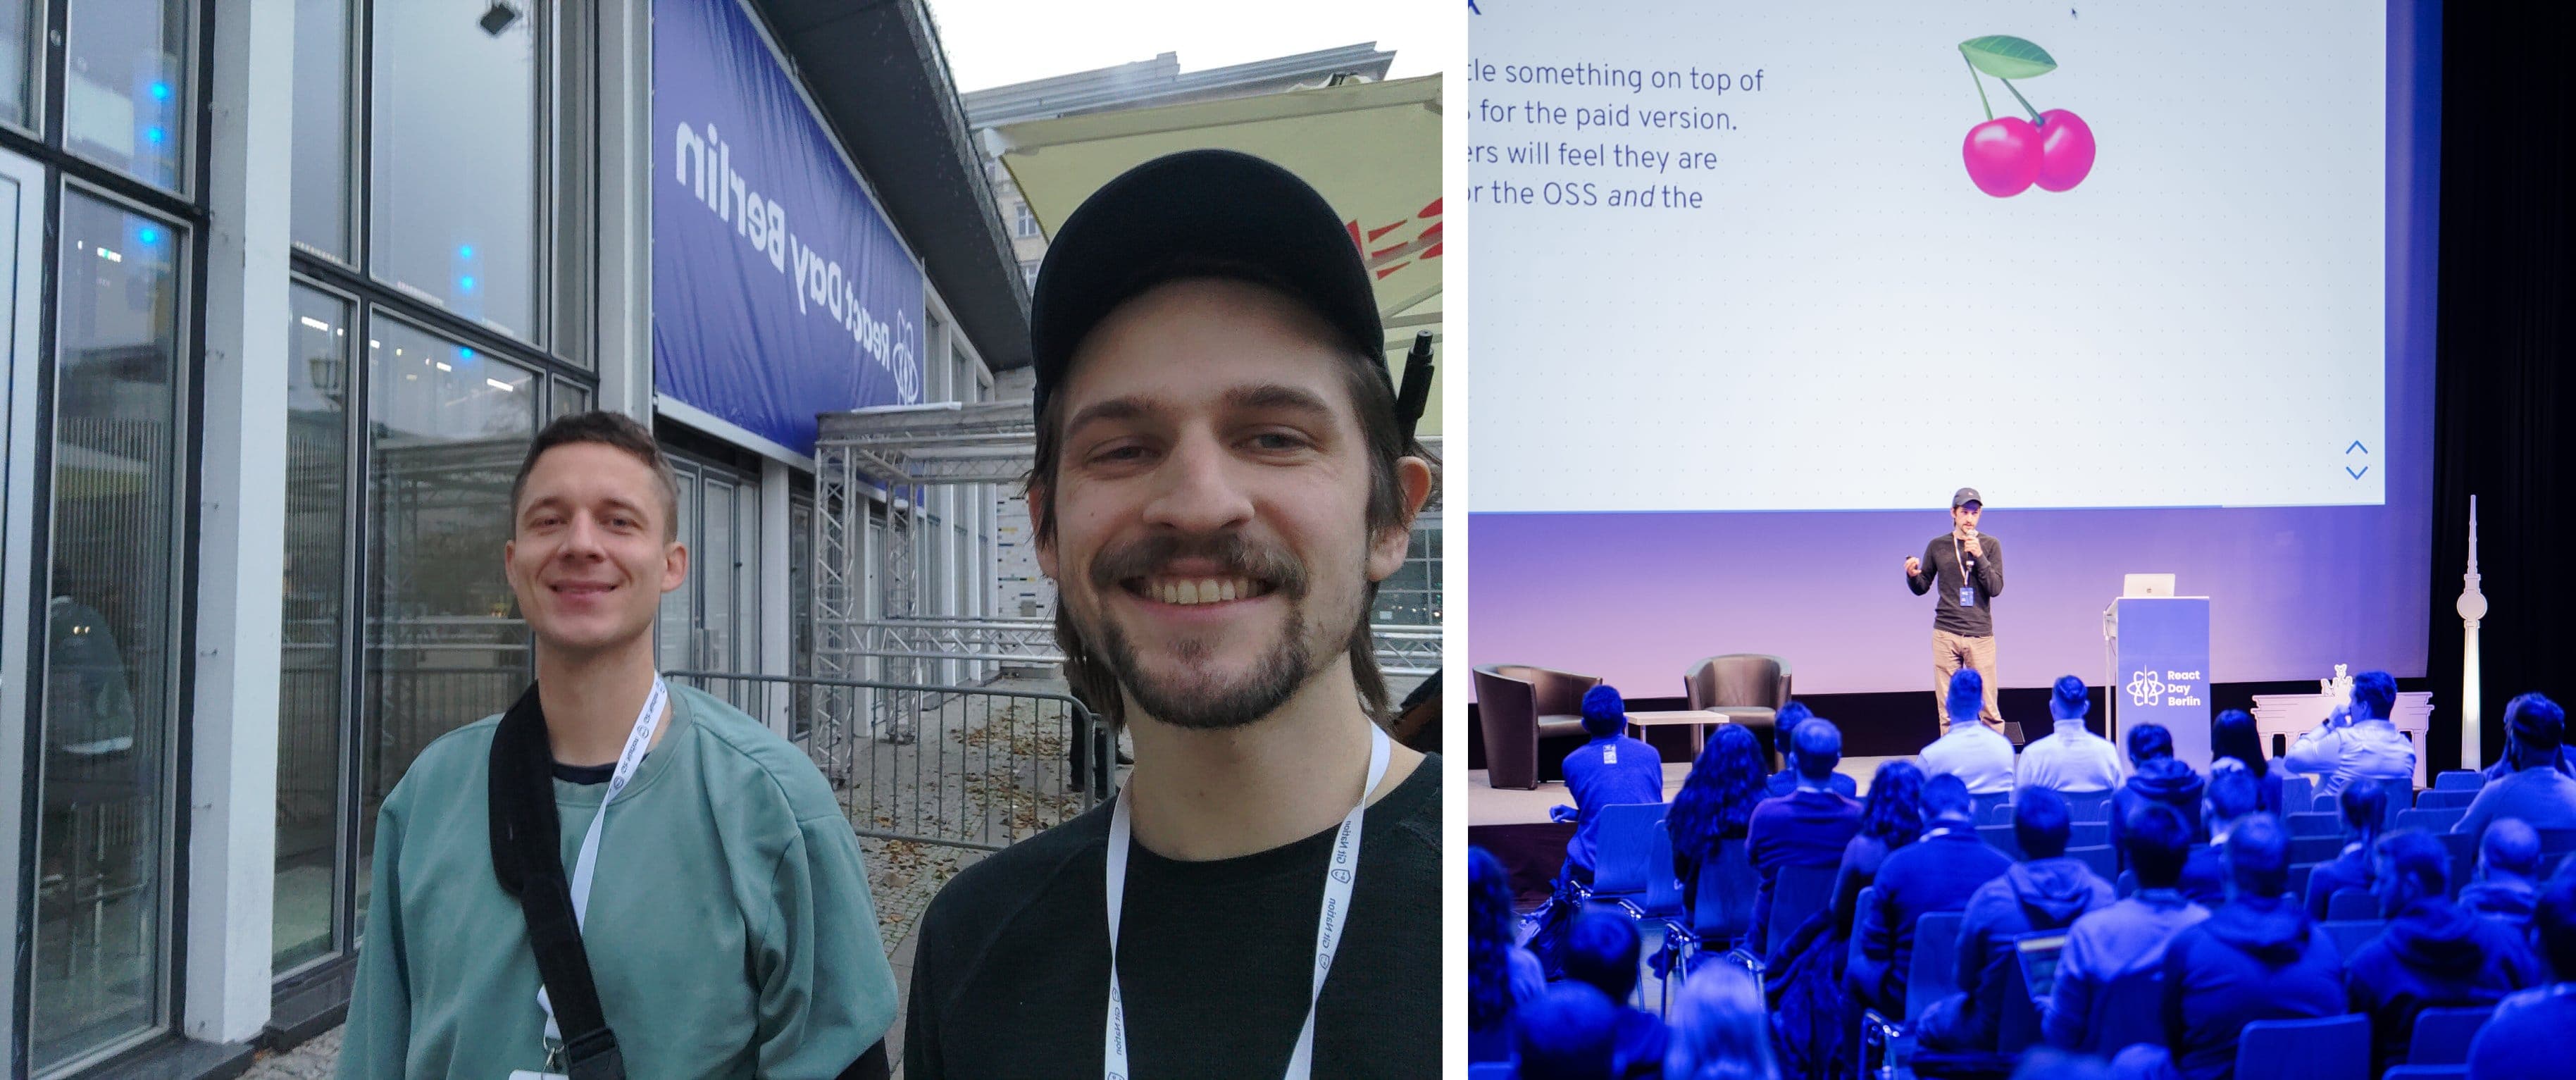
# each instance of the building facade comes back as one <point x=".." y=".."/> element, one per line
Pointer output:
<point x="290" y="285"/>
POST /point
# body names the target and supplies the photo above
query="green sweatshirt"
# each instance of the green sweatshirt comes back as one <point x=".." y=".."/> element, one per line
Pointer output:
<point x="730" y="930"/>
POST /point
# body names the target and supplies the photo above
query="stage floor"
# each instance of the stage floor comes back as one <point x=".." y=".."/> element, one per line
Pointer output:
<point x="1487" y="806"/>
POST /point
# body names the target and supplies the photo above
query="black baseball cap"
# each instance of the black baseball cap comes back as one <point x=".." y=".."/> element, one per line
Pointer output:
<point x="1199" y="213"/>
<point x="1964" y="496"/>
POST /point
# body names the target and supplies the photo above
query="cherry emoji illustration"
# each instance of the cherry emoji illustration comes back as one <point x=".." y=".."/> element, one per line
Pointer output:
<point x="2066" y="151"/>
<point x="2004" y="156"/>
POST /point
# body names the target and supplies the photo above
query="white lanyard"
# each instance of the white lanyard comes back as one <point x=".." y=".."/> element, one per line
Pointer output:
<point x="1328" y="922"/>
<point x="638" y="740"/>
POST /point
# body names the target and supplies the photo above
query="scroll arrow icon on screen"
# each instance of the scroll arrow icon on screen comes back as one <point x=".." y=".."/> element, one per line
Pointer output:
<point x="2356" y="445"/>
<point x="2356" y="475"/>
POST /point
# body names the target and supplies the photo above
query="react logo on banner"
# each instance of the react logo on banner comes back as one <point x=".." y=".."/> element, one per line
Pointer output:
<point x="2171" y="688"/>
<point x="704" y="165"/>
<point x="2144" y="689"/>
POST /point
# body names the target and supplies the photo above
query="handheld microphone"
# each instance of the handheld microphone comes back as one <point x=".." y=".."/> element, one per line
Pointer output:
<point x="1415" y="395"/>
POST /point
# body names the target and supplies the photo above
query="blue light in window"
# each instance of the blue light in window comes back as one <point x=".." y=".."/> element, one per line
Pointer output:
<point x="465" y="352"/>
<point x="160" y="91"/>
<point x="465" y="251"/>
<point x="466" y="283"/>
<point x="154" y="135"/>
<point x="148" y="235"/>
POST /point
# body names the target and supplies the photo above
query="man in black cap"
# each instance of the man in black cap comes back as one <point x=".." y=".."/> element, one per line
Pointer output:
<point x="1968" y="569"/>
<point x="1221" y="481"/>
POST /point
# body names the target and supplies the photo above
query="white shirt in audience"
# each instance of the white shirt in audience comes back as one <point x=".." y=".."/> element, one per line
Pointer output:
<point x="1978" y="755"/>
<point x="2359" y="750"/>
<point x="2070" y="759"/>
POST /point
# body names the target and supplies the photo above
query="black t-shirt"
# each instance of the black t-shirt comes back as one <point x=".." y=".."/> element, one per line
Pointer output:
<point x="1943" y="573"/>
<point x="1216" y="961"/>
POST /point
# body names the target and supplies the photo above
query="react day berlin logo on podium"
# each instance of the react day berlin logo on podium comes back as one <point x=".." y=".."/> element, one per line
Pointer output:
<point x="2145" y="688"/>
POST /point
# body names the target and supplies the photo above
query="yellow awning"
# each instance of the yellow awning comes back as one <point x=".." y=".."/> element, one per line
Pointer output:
<point x="1372" y="149"/>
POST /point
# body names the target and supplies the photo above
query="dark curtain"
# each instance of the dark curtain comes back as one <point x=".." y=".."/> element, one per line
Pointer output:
<point x="2502" y="388"/>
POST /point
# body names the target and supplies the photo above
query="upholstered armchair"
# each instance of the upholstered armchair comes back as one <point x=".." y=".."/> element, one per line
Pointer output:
<point x="1519" y="707"/>
<point x="1749" y="688"/>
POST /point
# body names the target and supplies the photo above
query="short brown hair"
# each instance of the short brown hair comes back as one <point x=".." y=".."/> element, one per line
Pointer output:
<point x="607" y="429"/>
<point x="1373" y="402"/>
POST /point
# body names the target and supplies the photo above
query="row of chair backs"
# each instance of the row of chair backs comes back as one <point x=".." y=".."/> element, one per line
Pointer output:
<point x="1797" y="893"/>
<point x="1727" y="885"/>
<point x="2297" y="792"/>
<point x="2432" y="821"/>
<point x="2326" y="1048"/>
<point x="2442" y="1036"/>
<point x="1623" y="846"/>
<point x="2459" y="780"/>
<point x="2351" y="905"/>
<point x="1934" y="972"/>
<point x="2081" y="807"/>
<point x="2437" y="799"/>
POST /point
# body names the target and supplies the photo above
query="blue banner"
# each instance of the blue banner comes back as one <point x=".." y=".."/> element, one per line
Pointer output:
<point x="2164" y="671"/>
<point x="779" y="289"/>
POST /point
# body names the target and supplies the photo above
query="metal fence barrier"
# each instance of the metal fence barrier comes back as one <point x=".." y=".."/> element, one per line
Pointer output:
<point x="984" y="767"/>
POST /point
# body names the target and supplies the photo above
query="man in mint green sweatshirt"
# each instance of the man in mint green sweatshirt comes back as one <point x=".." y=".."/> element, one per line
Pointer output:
<point x="723" y="906"/>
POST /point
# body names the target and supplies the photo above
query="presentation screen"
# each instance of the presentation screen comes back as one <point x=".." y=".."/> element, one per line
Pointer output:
<point x="1757" y="286"/>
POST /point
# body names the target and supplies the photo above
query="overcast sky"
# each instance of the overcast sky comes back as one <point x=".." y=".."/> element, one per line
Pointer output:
<point x="998" y="42"/>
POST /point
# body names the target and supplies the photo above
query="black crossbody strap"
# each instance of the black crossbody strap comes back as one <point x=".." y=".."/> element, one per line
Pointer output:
<point x="527" y="858"/>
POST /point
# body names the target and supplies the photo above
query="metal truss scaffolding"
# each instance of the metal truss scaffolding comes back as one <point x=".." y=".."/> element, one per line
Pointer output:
<point x="897" y="453"/>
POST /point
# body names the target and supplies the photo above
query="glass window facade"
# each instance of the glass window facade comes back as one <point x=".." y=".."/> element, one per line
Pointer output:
<point x="17" y="62"/>
<point x="126" y="87"/>
<point x="313" y="629"/>
<point x="101" y="954"/>
<point x="447" y="428"/>
<point x="324" y="102"/>
<point x="455" y="174"/>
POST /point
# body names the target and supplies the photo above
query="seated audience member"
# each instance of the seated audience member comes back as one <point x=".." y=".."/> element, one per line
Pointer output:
<point x="2356" y="741"/>
<point x="1715" y="803"/>
<point x="2537" y="793"/>
<point x="1807" y="827"/>
<point x="1937" y="873"/>
<point x="2257" y="957"/>
<point x="2044" y="891"/>
<point x="2069" y="758"/>
<point x="2433" y="955"/>
<point x="2504" y="766"/>
<point x="1500" y="974"/>
<point x="2127" y="939"/>
<point x="2231" y="798"/>
<point x="2527" y="1037"/>
<point x="2155" y="776"/>
<point x="1786" y="780"/>
<point x="2508" y="875"/>
<point x="2233" y="738"/>
<point x="1891" y="819"/>
<point x="1602" y="953"/>
<point x="1720" y="1029"/>
<point x="1610" y="770"/>
<point x="1568" y="1033"/>
<point x="1978" y="755"/>
<point x="2365" y="809"/>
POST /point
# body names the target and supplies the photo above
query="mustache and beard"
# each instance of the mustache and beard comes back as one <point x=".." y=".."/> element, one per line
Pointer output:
<point x="1194" y="696"/>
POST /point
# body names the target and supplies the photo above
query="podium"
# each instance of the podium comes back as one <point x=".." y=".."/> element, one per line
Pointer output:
<point x="2159" y="674"/>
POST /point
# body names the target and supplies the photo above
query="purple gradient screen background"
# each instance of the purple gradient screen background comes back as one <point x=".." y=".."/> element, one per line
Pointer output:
<point x="1639" y="598"/>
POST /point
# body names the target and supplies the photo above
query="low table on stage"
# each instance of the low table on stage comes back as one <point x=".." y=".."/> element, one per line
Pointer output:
<point x="1698" y="720"/>
<point x="2291" y="715"/>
